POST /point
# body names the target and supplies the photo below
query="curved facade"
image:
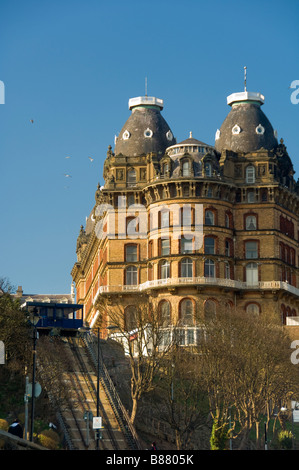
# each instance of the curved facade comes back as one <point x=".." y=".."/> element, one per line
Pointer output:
<point x="190" y="227"/>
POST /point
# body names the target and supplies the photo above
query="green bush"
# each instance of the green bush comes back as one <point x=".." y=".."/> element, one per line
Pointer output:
<point x="285" y="439"/>
<point x="219" y="436"/>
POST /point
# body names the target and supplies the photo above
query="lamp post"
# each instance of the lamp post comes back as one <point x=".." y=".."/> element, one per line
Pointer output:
<point x="33" y="318"/>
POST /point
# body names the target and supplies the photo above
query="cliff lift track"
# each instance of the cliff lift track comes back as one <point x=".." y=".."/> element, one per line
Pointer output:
<point x="109" y="441"/>
<point x="121" y="414"/>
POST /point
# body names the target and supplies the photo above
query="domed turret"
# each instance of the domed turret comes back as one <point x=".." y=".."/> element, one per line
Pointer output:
<point x="189" y="154"/>
<point x="146" y="130"/>
<point x="246" y="128"/>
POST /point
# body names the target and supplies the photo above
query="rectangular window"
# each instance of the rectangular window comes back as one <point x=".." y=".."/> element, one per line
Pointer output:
<point x="251" y="250"/>
<point x="165" y="219"/>
<point x="209" y="246"/>
<point x="165" y="247"/>
<point x="186" y="245"/>
<point x="131" y="253"/>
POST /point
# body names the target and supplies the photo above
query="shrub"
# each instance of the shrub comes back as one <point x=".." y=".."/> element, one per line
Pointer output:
<point x="49" y="439"/>
<point x="4" y="425"/>
<point x="285" y="439"/>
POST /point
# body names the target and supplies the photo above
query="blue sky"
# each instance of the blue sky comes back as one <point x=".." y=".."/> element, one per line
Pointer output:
<point x="72" y="66"/>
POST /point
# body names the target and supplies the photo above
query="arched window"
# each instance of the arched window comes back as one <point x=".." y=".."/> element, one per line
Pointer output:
<point x="250" y="174"/>
<point x="164" y="313"/>
<point x="250" y="222"/>
<point x="252" y="309"/>
<point x="130" y="318"/>
<point x="150" y="272"/>
<point x="187" y="312"/>
<point x="227" y="221"/>
<point x="209" y="218"/>
<point x="252" y="274"/>
<point x="132" y="226"/>
<point x="187" y="267"/>
<point x="227" y="270"/>
<point x="131" y="276"/>
<point x="131" y="176"/>
<point x="164" y="269"/>
<point x="209" y="269"/>
<point x="210" y="309"/>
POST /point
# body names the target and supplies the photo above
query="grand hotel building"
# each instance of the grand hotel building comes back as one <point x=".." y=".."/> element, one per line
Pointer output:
<point x="238" y="199"/>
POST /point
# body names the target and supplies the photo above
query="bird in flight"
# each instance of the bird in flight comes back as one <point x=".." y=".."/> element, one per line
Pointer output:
<point x="31" y="120"/>
<point x="67" y="176"/>
<point x="91" y="159"/>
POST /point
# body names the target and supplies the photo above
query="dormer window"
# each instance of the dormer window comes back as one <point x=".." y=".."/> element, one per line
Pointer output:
<point x="208" y="169"/>
<point x="186" y="168"/>
<point x="131" y="176"/>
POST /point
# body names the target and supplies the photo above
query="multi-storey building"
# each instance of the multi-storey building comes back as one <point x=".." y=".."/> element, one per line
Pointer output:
<point x="188" y="227"/>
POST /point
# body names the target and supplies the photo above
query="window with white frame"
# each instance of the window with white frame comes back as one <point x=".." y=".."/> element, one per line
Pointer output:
<point x="165" y="269"/>
<point x="209" y="268"/>
<point x="131" y="276"/>
<point x="187" y="267"/>
<point x="250" y="174"/>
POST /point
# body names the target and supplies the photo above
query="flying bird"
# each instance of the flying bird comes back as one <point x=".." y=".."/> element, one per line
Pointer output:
<point x="67" y="176"/>
<point x="31" y="120"/>
<point x="91" y="159"/>
<point x="67" y="157"/>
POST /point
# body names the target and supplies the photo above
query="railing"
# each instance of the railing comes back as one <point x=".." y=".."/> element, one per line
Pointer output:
<point x="229" y="283"/>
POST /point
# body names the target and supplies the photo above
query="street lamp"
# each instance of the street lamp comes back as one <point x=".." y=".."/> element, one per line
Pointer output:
<point x="33" y="318"/>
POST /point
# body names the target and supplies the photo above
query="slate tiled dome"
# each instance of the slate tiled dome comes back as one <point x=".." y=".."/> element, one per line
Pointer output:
<point x="246" y="128"/>
<point x="146" y="130"/>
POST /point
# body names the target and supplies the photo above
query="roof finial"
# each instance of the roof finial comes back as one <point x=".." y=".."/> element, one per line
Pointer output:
<point x="145" y="86"/>
<point x="245" y="73"/>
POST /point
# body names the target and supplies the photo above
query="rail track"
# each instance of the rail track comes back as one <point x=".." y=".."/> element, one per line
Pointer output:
<point x="84" y="383"/>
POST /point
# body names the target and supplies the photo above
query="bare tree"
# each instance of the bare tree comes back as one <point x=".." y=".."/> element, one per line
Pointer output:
<point x="183" y="401"/>
<point x="54" y="363"/>
<point x="139" y="330"/>
<point x="247" y="367"/>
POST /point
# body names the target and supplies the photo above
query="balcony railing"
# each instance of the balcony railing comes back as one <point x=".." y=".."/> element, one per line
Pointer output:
<point x="198" y="281"/>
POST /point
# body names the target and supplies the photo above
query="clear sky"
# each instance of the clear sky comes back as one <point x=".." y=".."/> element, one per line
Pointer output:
<point x="72" y="65"/>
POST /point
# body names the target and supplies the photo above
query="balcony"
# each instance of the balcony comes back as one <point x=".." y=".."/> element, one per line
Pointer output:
<point x="198" y="281"/>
